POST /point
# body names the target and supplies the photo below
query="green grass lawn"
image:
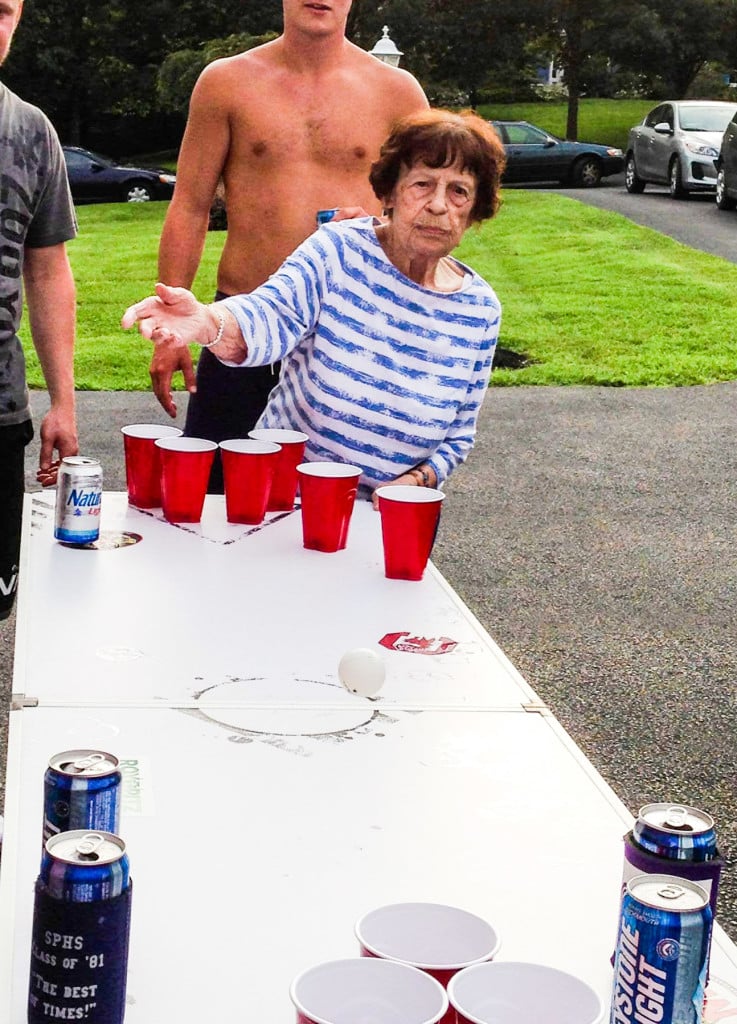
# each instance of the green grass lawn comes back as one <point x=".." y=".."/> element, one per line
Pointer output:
<point x="603" y="121"/>
<point x="588" y="297"/>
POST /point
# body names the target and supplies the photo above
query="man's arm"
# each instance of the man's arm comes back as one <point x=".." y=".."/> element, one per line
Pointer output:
<point x="50" y="296"/>
<point x="200" y="165"/>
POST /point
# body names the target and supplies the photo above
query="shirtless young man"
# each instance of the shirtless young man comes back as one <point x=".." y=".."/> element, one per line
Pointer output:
<point x="292" y="127"/>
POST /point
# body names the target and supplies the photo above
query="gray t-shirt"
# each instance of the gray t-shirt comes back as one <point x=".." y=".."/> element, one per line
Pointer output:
<point x="36" y="211"/>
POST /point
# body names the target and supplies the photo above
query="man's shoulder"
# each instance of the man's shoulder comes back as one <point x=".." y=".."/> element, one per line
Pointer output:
<point x="395" y="84"/>
<point x="15" y="105"/>
<point x="260" y="57"/>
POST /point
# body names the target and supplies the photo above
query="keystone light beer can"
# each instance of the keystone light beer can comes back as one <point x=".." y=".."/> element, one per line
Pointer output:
<point x="82" y="791"/>
<point x="81" y="929"/>
<point x="675" y="832"/>
<point x="677" y="840"/>
<point x="662" y="952"/>
<point x="78" y="500"/>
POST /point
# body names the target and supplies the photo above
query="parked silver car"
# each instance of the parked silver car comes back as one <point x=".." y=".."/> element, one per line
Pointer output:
<point x="676" y="145"/>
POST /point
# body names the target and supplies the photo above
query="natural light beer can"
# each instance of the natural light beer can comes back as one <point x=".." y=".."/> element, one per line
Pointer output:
<point x="78" y="500"/>
<point x="662" y="953"/>
<point x="81" y="928"/>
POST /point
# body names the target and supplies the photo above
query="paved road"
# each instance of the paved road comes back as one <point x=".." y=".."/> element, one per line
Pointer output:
<point x="593" y="533"/>
<point x="695" y="221"/>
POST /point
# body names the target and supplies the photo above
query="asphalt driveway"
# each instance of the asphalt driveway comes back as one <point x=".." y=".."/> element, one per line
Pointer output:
<point x="695" y="221"/>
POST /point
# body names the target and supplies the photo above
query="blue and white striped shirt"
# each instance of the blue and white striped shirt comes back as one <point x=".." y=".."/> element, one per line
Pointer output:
<point x="378" y="371"/>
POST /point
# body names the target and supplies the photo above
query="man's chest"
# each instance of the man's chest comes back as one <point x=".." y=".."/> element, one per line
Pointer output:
<point x="327" y="135"/>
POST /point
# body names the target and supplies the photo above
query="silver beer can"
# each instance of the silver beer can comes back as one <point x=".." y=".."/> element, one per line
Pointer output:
<point x="78" y="500"/>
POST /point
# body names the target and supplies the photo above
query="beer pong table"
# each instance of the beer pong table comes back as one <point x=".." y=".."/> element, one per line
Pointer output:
<point x="266" y="808"/>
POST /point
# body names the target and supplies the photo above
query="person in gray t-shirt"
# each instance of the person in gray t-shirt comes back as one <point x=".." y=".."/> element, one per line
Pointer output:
<point x="36" y="219"/>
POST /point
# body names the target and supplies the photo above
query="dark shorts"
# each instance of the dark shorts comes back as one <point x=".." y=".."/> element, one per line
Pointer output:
<point x="227" y="403"/>
<point x="13" y="441"/>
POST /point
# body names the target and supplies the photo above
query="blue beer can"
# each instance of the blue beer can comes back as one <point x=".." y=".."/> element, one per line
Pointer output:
<point x="81" y="930"/>
<point x="662" y="953"/>
<point x="82" y="866"/>
<point x="78" y="500"/>
<point x="323" y="216"/>
<point x="676" y="832"/>
<point x="82" y="791"/>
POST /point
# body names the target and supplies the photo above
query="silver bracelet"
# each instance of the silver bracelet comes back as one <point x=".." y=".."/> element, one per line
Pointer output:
<point x="221" y="330"/>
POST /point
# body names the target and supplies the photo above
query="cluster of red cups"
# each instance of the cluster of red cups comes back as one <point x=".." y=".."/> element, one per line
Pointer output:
<point x="261" y="473"/>
<point x="426" y="963"/>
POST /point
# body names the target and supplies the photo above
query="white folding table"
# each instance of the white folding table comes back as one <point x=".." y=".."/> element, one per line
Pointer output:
<point x="265" y="807"/>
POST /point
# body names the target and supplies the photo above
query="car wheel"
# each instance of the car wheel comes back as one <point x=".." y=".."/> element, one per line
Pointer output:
<point x="138" y="192"/>
<point x="632" y="181"/>
<point x="724" y="201"/>
<point x="586" y="172"/>
<point x="675" y="181"/>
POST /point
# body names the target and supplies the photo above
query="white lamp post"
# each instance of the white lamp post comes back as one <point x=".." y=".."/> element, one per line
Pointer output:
<point x="385" y="49"/>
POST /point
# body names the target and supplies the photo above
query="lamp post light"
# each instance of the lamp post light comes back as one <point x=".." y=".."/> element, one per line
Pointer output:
<point x="385" y="49"/>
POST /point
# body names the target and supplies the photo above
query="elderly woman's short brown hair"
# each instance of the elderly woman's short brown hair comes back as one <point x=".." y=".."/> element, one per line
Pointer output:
<point x="439" y="138"/>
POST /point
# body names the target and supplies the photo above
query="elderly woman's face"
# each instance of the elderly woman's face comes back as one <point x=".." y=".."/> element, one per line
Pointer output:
<point x="430" y="209"/>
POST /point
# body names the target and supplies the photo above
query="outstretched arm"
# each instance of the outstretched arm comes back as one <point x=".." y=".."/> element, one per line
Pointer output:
<point x="173" y="319"/>
<point x="50" y="295"/>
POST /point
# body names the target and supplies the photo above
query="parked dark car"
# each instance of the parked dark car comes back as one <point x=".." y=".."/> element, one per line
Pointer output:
<point x="676" y="145"/>
<point x="535" y="155"/>
<point x="726" y="168"/>
<point x="98" y="179"/>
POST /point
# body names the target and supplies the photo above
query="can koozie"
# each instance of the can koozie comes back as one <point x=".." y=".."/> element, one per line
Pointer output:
<point x="79" y="959"/>
<point x="705" y="873"/>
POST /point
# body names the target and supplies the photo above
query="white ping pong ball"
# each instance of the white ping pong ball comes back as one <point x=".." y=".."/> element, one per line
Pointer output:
<point x="362" y="671"/>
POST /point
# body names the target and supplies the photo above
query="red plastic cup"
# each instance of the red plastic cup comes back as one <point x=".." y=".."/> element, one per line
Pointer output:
<point x="409" y="523"/>
<point x="435" y="938"/>
<point x="522" y="993"/>
<point x="284" y="484"/>
<point x="348" y="991"/>
<point x="328" y="492"/>
<point x="143" y="461"/>
<point x="248" y="469"/>
<point x="185" y="471"/>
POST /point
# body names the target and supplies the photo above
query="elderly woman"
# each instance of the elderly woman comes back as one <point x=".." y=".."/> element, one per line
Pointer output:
<point x="386" y="340"/>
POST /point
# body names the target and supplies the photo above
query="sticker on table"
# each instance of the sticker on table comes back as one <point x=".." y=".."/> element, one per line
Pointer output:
<point x="136" y="795"/>
<point x="721" y="1002"/>
<point x="413" y="644"/>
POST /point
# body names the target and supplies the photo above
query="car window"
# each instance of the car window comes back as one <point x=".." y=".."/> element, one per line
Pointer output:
<point x="705" y="119"/>
<point x="75" y="161"/>
<point x="655" y="116"/>
<point x="526" y="135"/>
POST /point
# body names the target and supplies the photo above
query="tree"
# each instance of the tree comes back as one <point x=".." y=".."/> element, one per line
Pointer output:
<point x="180" y="70"/>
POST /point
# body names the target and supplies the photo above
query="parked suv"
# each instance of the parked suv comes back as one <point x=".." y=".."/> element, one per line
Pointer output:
<point x="676" y="145"/>
<point x="726" y="165"/>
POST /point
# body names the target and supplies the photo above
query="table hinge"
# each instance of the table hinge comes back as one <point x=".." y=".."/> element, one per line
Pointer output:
<point x="18" y="701"/>
<point x="536" y="707"/>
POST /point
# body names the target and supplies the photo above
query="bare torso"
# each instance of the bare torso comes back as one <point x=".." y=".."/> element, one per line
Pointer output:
<point x="290" y="141"/>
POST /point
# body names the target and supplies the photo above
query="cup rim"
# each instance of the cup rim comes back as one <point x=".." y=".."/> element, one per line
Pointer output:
<point x="279" y="435"/>
<point x="249" y="446"/>
<point x="187" y="445"/>
<point x="364" y="960"/>
<point x="410" y="494"/>
<point x="329" y="470"/>
<point x="151" y="431"/>
<point x="458" y="966"/>
<point x="500" y="965"/>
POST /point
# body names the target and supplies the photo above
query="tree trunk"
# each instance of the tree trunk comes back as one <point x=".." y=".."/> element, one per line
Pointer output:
<point x="572" y="118"/>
